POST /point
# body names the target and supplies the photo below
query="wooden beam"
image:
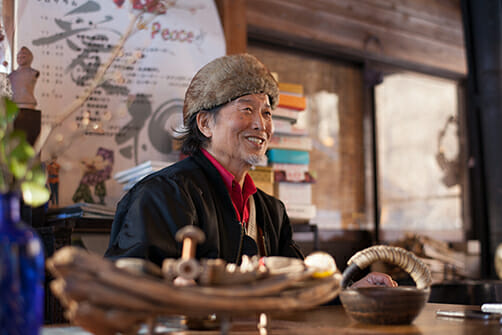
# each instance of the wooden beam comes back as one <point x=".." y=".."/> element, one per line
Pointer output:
<point x="8" y="21"/>
<point x="428" y="21"/>
<point x="398" y="33"/>
<point x="233" y="19"/>
<point x="446" y="12"/>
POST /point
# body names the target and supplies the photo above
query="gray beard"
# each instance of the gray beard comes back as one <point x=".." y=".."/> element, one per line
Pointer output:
<point x="257" y="160"/>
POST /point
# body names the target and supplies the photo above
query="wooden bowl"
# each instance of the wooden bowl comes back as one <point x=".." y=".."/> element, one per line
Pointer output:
<point x="386" y="305"/>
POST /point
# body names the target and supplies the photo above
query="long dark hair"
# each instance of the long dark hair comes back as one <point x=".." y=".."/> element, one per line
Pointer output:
<point x="192" y="139"/>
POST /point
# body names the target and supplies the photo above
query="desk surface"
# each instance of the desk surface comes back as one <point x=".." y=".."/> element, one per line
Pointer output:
<point x="333" y="320"/>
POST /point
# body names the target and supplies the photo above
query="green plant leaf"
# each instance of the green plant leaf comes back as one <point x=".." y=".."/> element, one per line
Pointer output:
<point x="3" y="182"/>
<point x="11" y="110"/>
<point x="9" y="113"/>
<point x="34" y="194"/>
<point x="18" y="168"/>
<point x="34" y="189"/>
<point x="37" y="175"/>
<point x="22" y="150"/>
<point x="20" y="154"/>
<point x="3" y="114"/>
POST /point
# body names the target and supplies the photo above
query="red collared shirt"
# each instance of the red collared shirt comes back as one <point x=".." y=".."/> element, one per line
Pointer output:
<point x="239" y="196"/>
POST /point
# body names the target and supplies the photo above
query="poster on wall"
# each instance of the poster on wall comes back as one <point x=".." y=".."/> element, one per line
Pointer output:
<point x="5" y="56"/>
<point x="133" y="112"/>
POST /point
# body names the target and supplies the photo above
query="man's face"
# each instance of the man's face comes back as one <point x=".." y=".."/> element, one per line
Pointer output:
<point x="241" y="131"/>
<point x="23" y="57"/>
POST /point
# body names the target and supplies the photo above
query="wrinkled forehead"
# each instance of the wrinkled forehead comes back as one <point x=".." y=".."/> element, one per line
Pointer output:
<point x="255" y="98"/>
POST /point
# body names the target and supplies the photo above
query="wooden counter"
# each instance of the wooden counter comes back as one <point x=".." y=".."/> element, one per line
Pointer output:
<point x="333" y="320"/>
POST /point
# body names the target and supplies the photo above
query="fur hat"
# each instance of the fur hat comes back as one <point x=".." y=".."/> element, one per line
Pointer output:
<point x="225" y="79"/>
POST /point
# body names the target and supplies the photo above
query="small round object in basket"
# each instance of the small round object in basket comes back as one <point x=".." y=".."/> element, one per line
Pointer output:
<point x="322" y="263"/>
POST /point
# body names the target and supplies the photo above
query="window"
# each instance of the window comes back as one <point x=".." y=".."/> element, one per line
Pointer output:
<point x="418" y="136"/>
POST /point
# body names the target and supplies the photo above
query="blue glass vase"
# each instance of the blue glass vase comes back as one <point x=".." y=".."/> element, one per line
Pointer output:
<point x="21" y="272"/>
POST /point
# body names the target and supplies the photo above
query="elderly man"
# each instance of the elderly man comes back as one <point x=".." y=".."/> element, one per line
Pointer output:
<point x="228" y="123"/>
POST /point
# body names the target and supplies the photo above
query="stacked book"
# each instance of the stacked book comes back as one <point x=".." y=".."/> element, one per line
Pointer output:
<point x="263" y="178"/>
<point x="289" y="154"/>
<point x="129" y="177"/>
<point x="81" y="210"/>
<point x="292" y="103"/>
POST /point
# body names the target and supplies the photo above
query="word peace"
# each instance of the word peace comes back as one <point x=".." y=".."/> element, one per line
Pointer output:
<point x="172" y="35"/>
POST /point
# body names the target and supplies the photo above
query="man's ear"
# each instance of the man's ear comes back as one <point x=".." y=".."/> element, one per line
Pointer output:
<point x="204" y="123"/>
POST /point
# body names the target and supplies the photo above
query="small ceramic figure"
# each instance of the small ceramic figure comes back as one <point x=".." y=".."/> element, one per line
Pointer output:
<point x="23" y="80"/>
<point x="53" y="179"/>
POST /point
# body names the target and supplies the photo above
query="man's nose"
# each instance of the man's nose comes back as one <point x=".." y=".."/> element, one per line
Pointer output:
<point x="260" y="122"/>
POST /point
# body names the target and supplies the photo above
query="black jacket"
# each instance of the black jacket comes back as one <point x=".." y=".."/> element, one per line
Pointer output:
<point x="192" y="192"/>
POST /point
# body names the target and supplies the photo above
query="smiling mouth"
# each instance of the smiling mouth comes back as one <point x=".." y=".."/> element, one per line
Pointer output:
<point x="256" y="140"/>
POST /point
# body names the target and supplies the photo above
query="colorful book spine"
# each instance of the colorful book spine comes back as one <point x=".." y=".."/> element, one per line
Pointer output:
<point x="294" y="193"/>
<point x="288" y="156"/>
<point x="282" y="175"/>
<point x="301" y="211"/>
<point x="286" y="114"/>
<point x="285" y="127"/>
<point x="282" y="126"/>
<point x="293" y="172"/>
<point x="265" y="187"/>
<point x="290" y="88"/>
<point x="263" y="178"/>
<point x="290" y="142"/>
<point x="262" y="174"/>
<point x="292" y="101"/>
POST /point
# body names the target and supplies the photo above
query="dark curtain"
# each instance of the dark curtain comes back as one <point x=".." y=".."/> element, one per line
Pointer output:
<point x="483" y="40"/>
